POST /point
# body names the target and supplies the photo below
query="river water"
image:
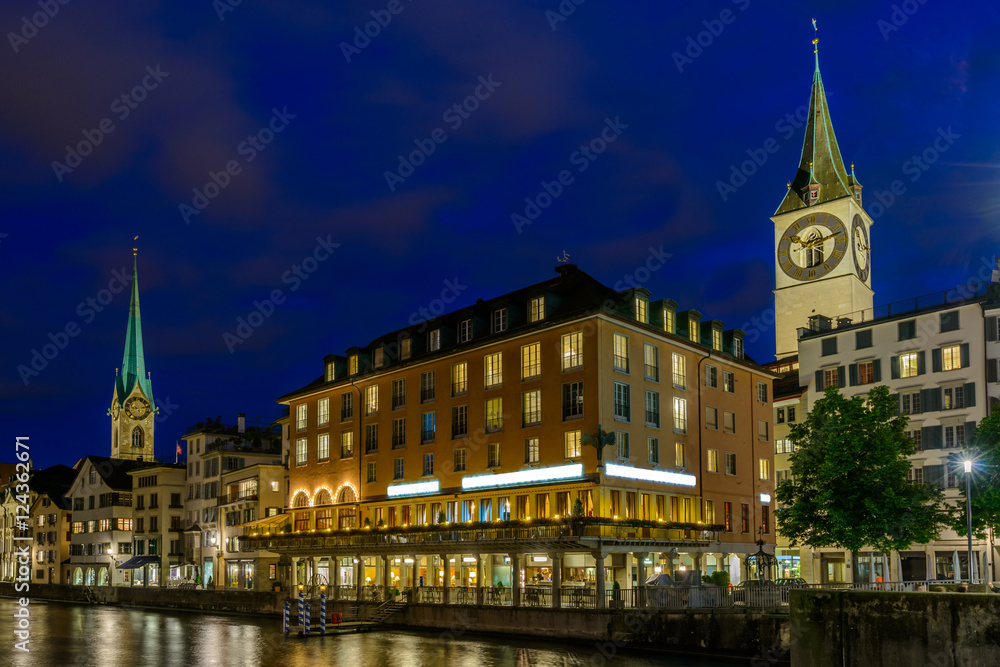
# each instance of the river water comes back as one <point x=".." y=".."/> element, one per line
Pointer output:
<point x="69" y="635"/>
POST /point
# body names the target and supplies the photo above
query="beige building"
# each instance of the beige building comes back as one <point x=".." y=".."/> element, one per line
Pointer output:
<point x="157" y="524"/>
<point x="250" y="494"/>
<point x="51" y="524"/>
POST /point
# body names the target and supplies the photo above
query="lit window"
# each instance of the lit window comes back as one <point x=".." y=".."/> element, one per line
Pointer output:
<point x="680" y="455"/>
<point x="323" y="447"/>
<point x="621" y="353"/>
<point x="680" y="415"/>
<point x="405" y="348"/>
<point x="572" y="351"/>
<point x="531" y="362"/>
<point x="713" y="460"/>
<point x="728" y="381"/>
<point x="693" y="324"/>
<point x="493" y="366"/>
<point x="831" y="378"/>
<point x="951" y="358"/>
<point x="716" y="338"/>
<point x="668" y="320"/>
<point x="352" y="364"/>
<point x="329" y="372"/>
<point x="301" y="451"/>
<point x="371" y="400"/>
<point x="301" y="416"/>
<point x="651" y="359"/>
<point x="866" y="372"/>
<point x="680" y="370"/>
<point x="531" y="450"/>
<point x="765" y="469"/>
<point x="465" y="331"/>
<point x="459" y="378"/>
<point x="346" y="444"/>
<point x="621" y="439"/>
<point x="536" y="309"/>
<point x="493" y="455"/>
<point x="531" y="407"/>
<point x="323" y="411"/>
<point x="572" y="439"/>
<point x="641" y="310"/>
<point x="434" y="340"/>
<point x="494" y="415"/>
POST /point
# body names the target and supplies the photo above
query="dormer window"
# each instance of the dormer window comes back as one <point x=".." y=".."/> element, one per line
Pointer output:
<point x="716" y="338"/>
<point x="405" y="348"/>
<point x="693" y="324"/>
<point x="379" y="357"/>
<point x="738" y="347"/>
<point x="329" y="371"/>
<point x="536" y="309"/>
<point x="499" y="320"/>
<point x="352" y="364"/>
<point x="465" y="331"/>
<point x="434" y="340"/>
<point x="641" y="310"/>
<point x="813" y="194"/>
<point x="668" y="320"/>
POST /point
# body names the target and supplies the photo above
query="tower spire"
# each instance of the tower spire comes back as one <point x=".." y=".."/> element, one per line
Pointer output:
<point x="133" y="360"/>
<point x="821" y="167"/>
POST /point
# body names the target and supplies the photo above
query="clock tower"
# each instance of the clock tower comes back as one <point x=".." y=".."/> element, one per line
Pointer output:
<point x="822" y="260"/>
<point x="132" y="407"/>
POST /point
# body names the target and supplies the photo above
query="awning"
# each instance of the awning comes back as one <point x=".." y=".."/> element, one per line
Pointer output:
<point x="138" y="561"/>
<point x="267" y="521"/>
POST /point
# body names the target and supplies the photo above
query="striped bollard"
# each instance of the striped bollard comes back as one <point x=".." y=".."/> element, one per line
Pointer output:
<point x="284" y="618"/>
<point x="322" y="613"/>
<point x="307" y="619"/>
<point x="301" y="611"/>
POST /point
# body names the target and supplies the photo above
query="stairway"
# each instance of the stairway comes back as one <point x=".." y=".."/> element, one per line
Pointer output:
<point x="385" y="610"/>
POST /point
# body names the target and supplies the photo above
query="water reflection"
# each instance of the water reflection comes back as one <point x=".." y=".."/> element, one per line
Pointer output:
<point x="108" y="636"/>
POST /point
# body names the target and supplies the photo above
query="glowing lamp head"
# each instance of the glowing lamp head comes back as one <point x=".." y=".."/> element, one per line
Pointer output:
<point x="968" y="466"/>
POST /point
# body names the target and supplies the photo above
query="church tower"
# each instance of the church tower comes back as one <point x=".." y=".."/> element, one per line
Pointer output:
<point x="822" y="261"/>
<point x="132" y="408"/>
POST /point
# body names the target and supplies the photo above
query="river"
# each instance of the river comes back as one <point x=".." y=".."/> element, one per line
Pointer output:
<point x="69" y="635"/>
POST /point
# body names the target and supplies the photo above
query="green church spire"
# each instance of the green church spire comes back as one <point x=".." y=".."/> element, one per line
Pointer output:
<point x="134" y="361"/>
<point x="820" y="164"/>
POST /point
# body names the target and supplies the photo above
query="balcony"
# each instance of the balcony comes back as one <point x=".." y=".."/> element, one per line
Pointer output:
<point x="236" y="497"/>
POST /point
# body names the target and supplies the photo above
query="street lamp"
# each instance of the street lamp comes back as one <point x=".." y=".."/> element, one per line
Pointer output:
<point x="968" y="511"/>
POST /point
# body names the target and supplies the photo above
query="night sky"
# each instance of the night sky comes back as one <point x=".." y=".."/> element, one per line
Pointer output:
<point x="308" y="117"/>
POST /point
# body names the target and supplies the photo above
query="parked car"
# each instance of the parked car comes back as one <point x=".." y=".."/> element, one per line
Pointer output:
<point x="790" y="581"/>
<point x="757" y="593"/>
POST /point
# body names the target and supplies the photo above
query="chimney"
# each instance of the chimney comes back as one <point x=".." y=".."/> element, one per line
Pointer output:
<point x="241" y="423"/>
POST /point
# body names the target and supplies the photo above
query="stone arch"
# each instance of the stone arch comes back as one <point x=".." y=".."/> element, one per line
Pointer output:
<point x="301" y="499"/>
<point x="347" y="495"/>
<point x="102" y="577"/>
<point x="90" y="577"/>
<point x="78" y="576"/>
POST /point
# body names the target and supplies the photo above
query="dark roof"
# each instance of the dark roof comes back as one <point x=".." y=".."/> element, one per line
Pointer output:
<point x="572" y="294"/>
<point x="820" y="162"/>
<point x="54" y="482"/>
<point x="114" y="472"/>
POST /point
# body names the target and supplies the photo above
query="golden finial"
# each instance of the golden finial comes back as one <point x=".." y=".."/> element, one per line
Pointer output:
<point x="135" y="249"/>
<point x="815" y="39"/>
<point x="788" y="185"/>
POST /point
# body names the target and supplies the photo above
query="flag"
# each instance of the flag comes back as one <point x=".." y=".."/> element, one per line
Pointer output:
<point x="179" y="452"/>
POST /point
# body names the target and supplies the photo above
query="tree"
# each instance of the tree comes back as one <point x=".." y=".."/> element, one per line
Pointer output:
<point x="983" y="449"/>
<point x="848" y="485"/>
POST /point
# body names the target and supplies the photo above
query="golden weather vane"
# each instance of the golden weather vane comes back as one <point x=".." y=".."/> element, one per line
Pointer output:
<point x="135" y="248"/>
<point x="815" y="39"/>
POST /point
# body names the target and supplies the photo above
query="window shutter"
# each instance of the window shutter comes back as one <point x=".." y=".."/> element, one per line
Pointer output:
<point x="877" y="369"/>
<point x="936" y="360"/>
<point x="852" y="374"/>
<point x="841" y="377"/>
<point x="921" y="363"/>
<point x="895" y="397"/>
<point x="894" y="367"/>
<point x="936" y="394"/>
<point x="819" y="380"/>
<point x="926" y="400"/>
<point x="931" y="437"/>
<point x="965" y="355"/>
<point x="970" y="395"/>
<point x="991" y="370"/>
<point x="991" y="328"/>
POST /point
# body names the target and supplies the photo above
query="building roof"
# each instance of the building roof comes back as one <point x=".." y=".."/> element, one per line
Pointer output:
<point x="820" y="163"/>
<point x="114" y="472"/>
<point x="134" y="361"/>
<point x="572" y="294"/>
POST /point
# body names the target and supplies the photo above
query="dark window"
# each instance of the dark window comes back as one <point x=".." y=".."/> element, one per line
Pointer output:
<point x="908" y="330"/>
<point x="863" y="339"/>
<point x="572" y="400"/>
<point x="829" y="346"/>
<point x="949" y="321"/>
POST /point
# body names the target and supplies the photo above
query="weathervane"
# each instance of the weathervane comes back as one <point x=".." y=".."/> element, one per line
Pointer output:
<point x="564" y="258"/>
<point x="815" y="39"/>
<point x="135" y="248"/>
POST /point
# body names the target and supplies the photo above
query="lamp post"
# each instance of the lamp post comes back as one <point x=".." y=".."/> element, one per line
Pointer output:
<point x="214" y="563"/>
<point x="968" y="512"/>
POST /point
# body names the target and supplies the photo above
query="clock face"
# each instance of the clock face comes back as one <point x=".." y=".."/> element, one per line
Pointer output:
<point x="859" y="246"/>
<point x="136" y="407"/>
<point x="812" y="246"/>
